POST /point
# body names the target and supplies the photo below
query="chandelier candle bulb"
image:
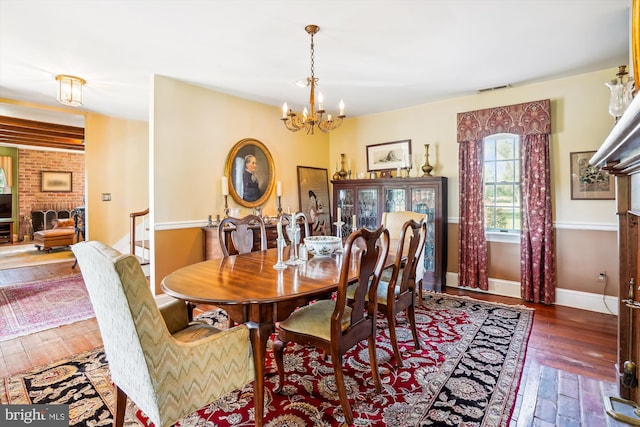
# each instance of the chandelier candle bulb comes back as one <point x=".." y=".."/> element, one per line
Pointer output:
<point x="225" y="186"/>
<point x="354" y="224"/>
<point x="341" y="107"/>
<point x="279" y="188"/>
<point x="285" y="109"/>
<point x="320" y="102"/>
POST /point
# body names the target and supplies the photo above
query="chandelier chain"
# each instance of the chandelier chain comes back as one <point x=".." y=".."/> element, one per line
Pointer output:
<point x="312" y="59"/>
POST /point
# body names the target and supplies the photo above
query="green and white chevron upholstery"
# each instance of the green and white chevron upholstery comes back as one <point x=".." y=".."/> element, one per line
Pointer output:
<point x="167" y="374"/>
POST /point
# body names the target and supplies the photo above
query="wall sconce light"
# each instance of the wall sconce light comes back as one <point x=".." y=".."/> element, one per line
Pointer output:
<point x="621" y="92"/>
<point x="70" y="90"/>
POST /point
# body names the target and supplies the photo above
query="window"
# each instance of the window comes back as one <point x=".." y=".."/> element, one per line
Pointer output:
<point x="502" y="183"/>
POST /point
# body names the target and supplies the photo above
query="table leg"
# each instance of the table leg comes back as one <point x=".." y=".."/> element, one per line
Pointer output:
<point x="259" y="333"/>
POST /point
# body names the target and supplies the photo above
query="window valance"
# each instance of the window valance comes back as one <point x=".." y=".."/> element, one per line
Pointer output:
<point x="529" y="118"/>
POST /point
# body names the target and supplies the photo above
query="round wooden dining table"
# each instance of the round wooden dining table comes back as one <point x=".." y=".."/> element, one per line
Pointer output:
<point x="253" y="292"/>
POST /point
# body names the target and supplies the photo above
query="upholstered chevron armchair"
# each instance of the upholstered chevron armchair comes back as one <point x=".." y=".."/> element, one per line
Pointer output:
<point x="166" y="365"/>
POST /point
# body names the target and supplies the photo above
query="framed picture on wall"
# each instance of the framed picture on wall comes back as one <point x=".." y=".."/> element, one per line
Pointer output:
<point x="251" y="173"/>
<point x="589" y="182"/>
<point x="388" y="155"/>
<point x="59" y="182"/>
<point x="313" y="195"/>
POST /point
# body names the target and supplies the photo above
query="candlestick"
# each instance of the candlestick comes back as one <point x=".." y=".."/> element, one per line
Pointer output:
<point x="225" y="186"/>
<point x="292" y="231"/>
<point x="226" y="207"/>
<point x="339" y="225"/>
<point x="339" y="215"/>
<point x="279" y="229"/>
<point x="279" y="205"/>
<point x="280" y="244"/>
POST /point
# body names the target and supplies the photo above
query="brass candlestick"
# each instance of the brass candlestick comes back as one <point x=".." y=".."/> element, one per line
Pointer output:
<point x="226" y="207"/>
<point x="342" y="173"/>
<point x="426" y="168"/>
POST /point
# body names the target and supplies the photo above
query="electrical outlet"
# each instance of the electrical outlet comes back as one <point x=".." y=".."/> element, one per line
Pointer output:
<point x="602" y="277"/>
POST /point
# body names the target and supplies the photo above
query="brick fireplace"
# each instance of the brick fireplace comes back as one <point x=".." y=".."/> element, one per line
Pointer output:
<point x="36" y="209"/>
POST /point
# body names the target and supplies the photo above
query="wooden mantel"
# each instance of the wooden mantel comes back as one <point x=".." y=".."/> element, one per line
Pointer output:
<point x="620" y="155"/>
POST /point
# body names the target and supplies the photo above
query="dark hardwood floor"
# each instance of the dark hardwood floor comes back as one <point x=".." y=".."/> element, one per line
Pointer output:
<point x="571" y="353"/>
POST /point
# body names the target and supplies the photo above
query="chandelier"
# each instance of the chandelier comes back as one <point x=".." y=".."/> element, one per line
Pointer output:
<point x="70" y="90"/>
<point x="312" y="117"/>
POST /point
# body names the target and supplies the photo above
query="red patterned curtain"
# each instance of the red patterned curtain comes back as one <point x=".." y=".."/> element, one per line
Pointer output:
<point x="472" y="245"/>
<point x="537" y="247"/>
<point x="532" y="121"/>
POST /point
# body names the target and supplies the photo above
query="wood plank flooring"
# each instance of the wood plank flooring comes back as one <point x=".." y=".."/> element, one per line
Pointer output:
<point x="570" y="351"/>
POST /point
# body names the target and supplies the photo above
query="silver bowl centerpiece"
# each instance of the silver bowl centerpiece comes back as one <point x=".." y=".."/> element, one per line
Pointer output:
<point x="322" y="246"/>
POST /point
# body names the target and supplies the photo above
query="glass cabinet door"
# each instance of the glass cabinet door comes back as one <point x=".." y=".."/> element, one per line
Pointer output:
<point x="367" y="208"/>
<point x="346" y="203"/>
<point x="395" y="199"/>
<point x="423" y="200"/>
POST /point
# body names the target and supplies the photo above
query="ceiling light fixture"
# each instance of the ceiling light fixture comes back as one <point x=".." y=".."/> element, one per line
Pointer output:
<point x="309" y="119"/>
<point x="70" y="90"/>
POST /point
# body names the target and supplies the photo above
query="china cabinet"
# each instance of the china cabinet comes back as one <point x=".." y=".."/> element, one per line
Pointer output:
<point x="366" y="199"/>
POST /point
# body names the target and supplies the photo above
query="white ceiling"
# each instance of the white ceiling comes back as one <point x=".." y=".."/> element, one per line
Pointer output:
<point x="377" y="55"/>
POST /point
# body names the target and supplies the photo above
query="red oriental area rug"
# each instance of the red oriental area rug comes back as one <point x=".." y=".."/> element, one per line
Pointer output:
<point x="30" y="307"/>
<point x="466" y="373"/>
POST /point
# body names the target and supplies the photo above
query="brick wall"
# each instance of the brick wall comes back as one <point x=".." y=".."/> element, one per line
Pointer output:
<point x="30" y="165"/>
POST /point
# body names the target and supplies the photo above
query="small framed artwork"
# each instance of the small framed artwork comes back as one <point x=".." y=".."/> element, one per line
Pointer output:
<point x="251" y="173"/>
<point x="389" y="155"/>
<point x="589" y="182"/>
<point x="56" y="182"/>
<point x="313" y="195"/>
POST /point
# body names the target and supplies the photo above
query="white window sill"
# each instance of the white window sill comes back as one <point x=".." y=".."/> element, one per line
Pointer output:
<point x="497" y="236"/>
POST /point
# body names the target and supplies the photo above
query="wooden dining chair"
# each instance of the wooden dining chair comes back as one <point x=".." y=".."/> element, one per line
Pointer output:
<point x="240" y="233"/>
<point x="394" y="221"/>
<point x="333" y="325"/>
<point x="399" y="293"/>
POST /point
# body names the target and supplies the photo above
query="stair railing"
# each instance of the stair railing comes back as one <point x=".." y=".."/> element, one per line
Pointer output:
<point x="133" y="226"/>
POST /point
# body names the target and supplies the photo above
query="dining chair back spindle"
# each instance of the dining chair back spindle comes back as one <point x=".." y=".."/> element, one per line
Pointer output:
<point x="240" y="233"/>
<point x="334" y="326"/>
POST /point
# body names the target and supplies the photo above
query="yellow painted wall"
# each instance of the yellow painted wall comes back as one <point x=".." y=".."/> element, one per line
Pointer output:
<point x="192" y="130"/>
<point x="580" y="122"/>
<point x="117" y="162"/>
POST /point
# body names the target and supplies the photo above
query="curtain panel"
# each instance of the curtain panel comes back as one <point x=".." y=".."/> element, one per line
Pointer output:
<point x="532" y="121"/>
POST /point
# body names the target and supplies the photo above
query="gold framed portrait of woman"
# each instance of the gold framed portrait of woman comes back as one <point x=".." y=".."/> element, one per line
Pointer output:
<point x="251" y="173"/>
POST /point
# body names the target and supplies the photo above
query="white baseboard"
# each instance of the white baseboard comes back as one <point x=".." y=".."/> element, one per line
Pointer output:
<point x="565" y="297"/>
